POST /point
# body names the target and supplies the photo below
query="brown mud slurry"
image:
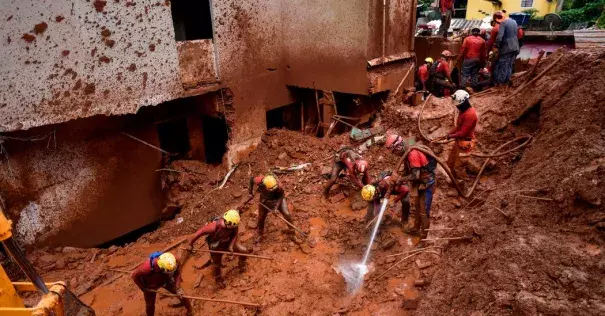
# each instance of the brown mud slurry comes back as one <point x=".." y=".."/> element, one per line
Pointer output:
<point x="546" y="258"/>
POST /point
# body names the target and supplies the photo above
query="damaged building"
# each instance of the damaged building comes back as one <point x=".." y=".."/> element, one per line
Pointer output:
<point x="97" y="95"/>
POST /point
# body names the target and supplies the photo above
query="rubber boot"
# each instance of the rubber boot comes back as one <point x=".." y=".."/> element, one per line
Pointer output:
<point x="426" y="223"/>
<point x="218" y="277"/>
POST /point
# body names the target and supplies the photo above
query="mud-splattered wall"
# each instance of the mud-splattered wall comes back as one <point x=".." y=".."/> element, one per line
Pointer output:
<point x="63" y="60"/>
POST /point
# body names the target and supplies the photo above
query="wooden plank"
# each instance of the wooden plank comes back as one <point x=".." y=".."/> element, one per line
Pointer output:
<point x="590" y="40"/>
<point x="585" y="46"/>
<point x="590" y="35"/>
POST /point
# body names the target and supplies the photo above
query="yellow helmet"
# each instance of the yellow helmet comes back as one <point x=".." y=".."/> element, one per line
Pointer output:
<point x="368" y="192"/>
<point x="270" y="182"/>
<point x="167" y="262"/>
<point x="429" y="60"/>
<point x="231" y="218"/>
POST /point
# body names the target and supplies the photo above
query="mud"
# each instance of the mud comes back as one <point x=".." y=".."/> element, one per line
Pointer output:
<point x="543" y="256"/>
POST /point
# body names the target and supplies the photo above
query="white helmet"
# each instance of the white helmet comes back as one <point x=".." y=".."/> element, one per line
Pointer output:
<point x="460" y="96"/>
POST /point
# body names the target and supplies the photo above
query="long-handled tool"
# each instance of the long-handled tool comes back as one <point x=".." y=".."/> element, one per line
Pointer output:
<point x="272" y="211"/>
<point x="231" y="253"/>
<point x="206" y="299"/>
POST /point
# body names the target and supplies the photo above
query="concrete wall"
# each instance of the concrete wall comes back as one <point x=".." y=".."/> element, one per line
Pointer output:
<point x="69" y="59"/>
<point x="95" y="185"/>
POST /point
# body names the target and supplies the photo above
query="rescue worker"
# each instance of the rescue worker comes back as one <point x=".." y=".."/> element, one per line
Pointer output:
<point x="355" y="166"/>
<point x="463" y="134"/>
<point x="273" y="197"/>
<point x="423" y="75"/>
<point x="375" y="192"/>
<point x="446" y="7"/>
<point x="472" y="55"/>
<point x="507" y="46"/>
<point x="420" y="171"/>
<point x="221" y="234"/>
<point x="492" y="54"/>
<point x="160" y="271"/>
<point x="440" y="74"/>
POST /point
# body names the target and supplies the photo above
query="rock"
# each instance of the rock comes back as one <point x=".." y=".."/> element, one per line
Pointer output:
<point x="46" y="260"/>
<point x="73" y="283"/>
<point x="282" y="156"/>
<point x="325" y="170"/>
<point x="457" y="203"/>
<point x="390" y="260"/>
<point x="359" y="205"/>
<point x="69" y="250"/>
<point x="388" y="244"/>
<point x="60" y="263"/>
<point x="423" y="264"/>
<point x="237" y="194"/>
<point x="337" y="198"/>
<point x="409" y="303"/>
<point x="252" y="224"/>
<point x="305" y="248"/>
<point x="420" y="283"/>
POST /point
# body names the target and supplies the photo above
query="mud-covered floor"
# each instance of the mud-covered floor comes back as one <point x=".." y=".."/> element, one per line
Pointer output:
<point x="542" y="257"/>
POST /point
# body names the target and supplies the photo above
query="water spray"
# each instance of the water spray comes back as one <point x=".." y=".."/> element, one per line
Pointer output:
<point x="354" y="272"/>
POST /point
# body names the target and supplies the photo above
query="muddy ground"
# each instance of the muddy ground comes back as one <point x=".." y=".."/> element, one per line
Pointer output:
<point x="526" y="256"/>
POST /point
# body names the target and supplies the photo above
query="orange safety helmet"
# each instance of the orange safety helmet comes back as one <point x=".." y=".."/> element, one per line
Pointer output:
<point x="392" y="140"/>
<point x="361" y="165"/>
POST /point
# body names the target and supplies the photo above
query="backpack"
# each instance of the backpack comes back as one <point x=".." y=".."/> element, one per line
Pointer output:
<point x="433" y="69"/>
<point x="152" y="257"/>
<point x="432" y="165"/>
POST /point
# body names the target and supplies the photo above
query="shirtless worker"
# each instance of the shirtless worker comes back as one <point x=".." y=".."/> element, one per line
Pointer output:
<point x="160" y="271"/>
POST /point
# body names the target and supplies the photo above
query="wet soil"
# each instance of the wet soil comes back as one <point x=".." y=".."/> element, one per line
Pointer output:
<point x="542" y="256"/>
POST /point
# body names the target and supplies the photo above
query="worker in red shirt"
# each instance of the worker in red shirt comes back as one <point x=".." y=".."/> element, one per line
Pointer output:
<point x="355" y="166"/>
<point x="495" y="28"/>
<point x="385" y="186"/>
<point x="160" y="271"/>
<point x="440" y="74"/>
<point x="472" y="54"/>
<point x="272" y="198"/>
<point x="463" y="134"/>
<point x="446" y="7"/>
<point x="423" y="75"/>
<point x="221" y="234"/>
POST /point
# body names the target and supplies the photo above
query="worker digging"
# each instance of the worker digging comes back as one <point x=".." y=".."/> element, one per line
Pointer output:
<point x="272" y="199"/>
<point x="160" y="271"/>
<point x="405" y="162"/>
<point x="354" y="166"/>
<point x="221" y="234"/>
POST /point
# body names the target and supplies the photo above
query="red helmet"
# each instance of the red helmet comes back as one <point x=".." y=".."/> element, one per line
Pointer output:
<point x="446" y="53"/>
<point x="391" y="140"/>
<point x="361" y="165"/>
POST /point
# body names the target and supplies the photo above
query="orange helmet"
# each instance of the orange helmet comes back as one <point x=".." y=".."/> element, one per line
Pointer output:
<point x="361" y="165"/>
<point x="446" y="53"/>
<point x="392" y="140"/>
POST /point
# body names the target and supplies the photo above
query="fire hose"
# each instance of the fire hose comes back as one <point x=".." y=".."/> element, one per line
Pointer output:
<point x="496" y="153"/>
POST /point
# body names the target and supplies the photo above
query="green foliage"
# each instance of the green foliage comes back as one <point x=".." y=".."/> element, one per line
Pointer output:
<point x="584" y="11"/>
<point x="533" y="12"/>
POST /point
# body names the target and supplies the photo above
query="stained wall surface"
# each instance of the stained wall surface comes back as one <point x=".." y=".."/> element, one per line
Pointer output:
<point x="63" y="60"/>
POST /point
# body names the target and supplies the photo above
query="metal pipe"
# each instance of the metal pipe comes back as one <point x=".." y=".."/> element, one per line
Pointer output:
<point x="18" y="257"/>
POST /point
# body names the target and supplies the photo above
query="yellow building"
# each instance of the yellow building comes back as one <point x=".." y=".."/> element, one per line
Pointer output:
<point x="479" y="9"/>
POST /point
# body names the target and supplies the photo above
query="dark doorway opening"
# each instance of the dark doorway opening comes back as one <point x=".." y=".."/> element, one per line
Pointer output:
<point x="174" y="136"/>
<point x="216" y="135"/>
<point x="288" y="117"/>
<point x="131" y="236"/>
<point x="192" y="19"/>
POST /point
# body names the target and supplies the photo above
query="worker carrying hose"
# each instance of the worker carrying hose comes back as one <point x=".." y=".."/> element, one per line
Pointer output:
<point x="387" y="183"/>
<point x="272" y="198"/>
<point x="419" y="171"/>
<point x="160" y="271"/>
<point x="463" y="134"/>
<point x="221" y="234"/>
<point x="355" y="166"/>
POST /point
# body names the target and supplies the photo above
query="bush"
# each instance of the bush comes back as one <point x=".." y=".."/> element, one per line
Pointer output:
<point x="590" y="12"/>
<point x="533" y="12"/>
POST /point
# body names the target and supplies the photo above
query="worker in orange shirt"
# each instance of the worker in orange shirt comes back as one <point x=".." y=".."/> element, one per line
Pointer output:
<point x="423" y="75"/>
<point x="463" y="134"/>
<point x="472" y="54"/>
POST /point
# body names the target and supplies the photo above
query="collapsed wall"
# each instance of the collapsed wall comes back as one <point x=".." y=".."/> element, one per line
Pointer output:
<point x="544" y="255"/>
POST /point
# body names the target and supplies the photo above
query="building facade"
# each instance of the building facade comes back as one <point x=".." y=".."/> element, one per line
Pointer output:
<point x="90" y="87"/>
<point x="479" y="9"/>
